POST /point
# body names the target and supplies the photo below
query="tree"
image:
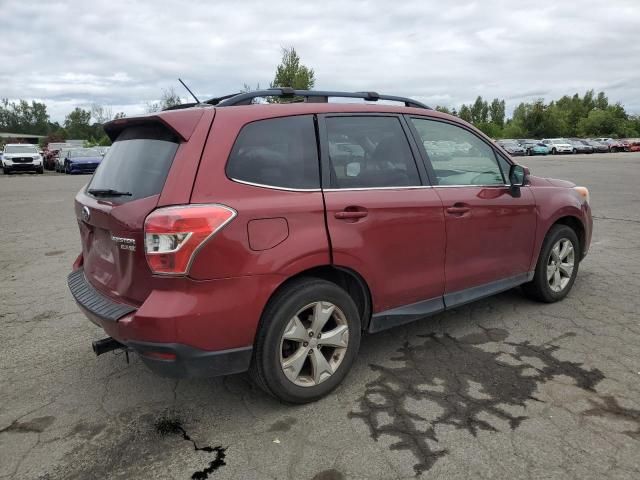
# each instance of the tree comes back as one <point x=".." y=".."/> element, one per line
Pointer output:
<point x="292" y="73"/>
<point x="442" y="109"/>
<point x="465" y="113"/>
<point x="101" y="114"/>
<point x="24" y="117"/>
<point x="77" y="124"/>
<point x="497" y="112"/>
<point x="168" y="99"/>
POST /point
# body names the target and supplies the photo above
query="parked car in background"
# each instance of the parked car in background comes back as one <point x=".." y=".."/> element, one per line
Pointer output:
<point x="598" y="147"/>
<point x="21" y="157"/>
<point x="81" y="160"/>
<point x="51" y="153"/>
<point x="211" y="245"/>
<point x="62" y="154"/>
<point x="558" y="145"/>
<point x="634" y="144"/>
<point x="513" y="147"/>
<point x="534" y="147"/>
<point x="579" y="146"/>
<point x="614" y="144"/>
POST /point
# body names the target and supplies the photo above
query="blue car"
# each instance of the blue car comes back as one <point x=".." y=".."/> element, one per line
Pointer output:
<point x="534" y="147"/>
<point x="82" y="160"/>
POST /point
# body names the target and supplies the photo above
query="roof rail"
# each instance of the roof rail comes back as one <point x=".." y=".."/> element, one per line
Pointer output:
<point x="311" y="96"/>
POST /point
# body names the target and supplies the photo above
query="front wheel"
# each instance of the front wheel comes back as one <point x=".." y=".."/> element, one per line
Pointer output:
<point x="308" y="339"/>
<point x="557" y="266"/>
<point x="575" y="151"/>
<point x="553" y="151"/>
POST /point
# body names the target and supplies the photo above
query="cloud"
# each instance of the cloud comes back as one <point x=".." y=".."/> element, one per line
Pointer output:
<point x="124" y="53"/>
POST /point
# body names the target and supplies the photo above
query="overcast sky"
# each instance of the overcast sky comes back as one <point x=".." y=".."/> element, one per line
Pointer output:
<point x="124" y="53"/>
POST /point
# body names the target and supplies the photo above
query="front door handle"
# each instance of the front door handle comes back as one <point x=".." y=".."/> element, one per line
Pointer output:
<point x="458" y="209"/>
<point x="350" y="214"/>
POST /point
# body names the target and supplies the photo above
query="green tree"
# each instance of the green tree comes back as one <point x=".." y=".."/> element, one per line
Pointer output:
<point x="77" y="124"/>
<point x="442" y="109"/>
<point x="292" y="73"/>
<point x="497" y="112"/>
<point x="465" y="113"/>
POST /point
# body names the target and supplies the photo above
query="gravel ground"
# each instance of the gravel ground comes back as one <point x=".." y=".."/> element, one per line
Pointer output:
<point x="502" y="388"/>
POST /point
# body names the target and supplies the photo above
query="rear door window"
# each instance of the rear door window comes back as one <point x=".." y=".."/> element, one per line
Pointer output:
<point x="370" y="152"/>
<point x="277" y="152"/>
<point x="138" y="162"/>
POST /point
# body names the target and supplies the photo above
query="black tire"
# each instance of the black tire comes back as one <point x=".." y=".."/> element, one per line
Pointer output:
<point x="554" y="151"/>
<point x="6" y="171"/>
<point x="575" y="151"/>
<point x="266" y="370"/>
<point x="40" y="171"/>
<point x="66" y="168"/>
<point x="539" y="288"/>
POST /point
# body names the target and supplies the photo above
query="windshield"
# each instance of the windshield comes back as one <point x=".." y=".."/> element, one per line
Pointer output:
<point x="85" y="152"/>
<point x="20" y="149"/>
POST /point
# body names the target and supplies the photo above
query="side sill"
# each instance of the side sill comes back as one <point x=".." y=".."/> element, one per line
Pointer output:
<point x="419" y="310"/>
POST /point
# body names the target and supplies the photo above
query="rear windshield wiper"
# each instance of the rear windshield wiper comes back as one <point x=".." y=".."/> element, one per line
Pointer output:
<point x="108" y="192"/>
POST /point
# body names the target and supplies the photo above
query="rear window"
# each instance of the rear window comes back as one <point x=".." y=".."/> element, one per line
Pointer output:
<point x="278" y="152"/>
<point x="138" y="162"/>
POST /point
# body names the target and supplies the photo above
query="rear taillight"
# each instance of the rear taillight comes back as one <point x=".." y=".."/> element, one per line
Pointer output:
<point x="173" y="235"/>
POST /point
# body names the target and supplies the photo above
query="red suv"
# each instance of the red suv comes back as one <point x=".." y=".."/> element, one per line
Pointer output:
<point x="230" y="236"/>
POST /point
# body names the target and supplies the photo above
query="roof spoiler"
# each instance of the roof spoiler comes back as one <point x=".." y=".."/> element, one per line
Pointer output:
<point x="180" y="122"/>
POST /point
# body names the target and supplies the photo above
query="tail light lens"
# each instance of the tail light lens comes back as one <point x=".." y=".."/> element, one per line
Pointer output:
<point x="173" y="235"/>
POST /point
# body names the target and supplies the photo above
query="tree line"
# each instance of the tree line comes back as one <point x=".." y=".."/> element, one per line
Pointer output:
<point x="590" y="115"/>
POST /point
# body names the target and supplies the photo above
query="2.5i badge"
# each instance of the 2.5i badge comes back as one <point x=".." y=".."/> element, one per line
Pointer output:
<point x="125" y="243"/>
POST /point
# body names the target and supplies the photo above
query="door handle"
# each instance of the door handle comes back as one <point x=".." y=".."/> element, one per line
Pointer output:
<point x="458" y="210"/>
<point x="351" y="214"/>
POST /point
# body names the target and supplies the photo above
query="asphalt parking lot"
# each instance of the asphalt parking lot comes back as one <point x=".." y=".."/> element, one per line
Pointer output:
<point x="502" y="388"/>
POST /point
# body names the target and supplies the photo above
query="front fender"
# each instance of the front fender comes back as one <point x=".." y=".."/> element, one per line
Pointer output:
<point x="553" y="204"/>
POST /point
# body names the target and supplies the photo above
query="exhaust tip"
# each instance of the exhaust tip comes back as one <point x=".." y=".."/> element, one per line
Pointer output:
<point x="106" y="345"/>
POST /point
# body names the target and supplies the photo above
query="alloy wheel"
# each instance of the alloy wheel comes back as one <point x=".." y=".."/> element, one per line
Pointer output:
<point x="560" y="265"/>
<point x="314" y="344"/>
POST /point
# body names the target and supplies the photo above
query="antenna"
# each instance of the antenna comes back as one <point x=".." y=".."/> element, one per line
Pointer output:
<point x="188" y="90"/>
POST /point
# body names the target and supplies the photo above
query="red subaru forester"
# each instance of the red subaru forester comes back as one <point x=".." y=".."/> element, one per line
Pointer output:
<point x="229" y="236"/>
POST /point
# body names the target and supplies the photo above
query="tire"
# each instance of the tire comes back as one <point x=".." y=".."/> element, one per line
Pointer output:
<point x="541" y="288"/>
<point x="575" y="151"/>
<point x="554" y="151"/>
<point x="272" y="350"/>
<point x="40" y="170"/>
<point x="6" y="171"/>
<point x="66" y="168"/>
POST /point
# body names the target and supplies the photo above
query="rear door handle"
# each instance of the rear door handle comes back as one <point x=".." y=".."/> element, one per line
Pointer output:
<point x="351" y="214"/>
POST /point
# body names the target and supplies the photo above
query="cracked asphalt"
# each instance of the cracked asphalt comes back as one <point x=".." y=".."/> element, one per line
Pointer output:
<point x="502" y="388"/>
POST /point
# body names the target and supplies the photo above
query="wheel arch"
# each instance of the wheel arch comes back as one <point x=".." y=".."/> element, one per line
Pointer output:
<point x="576" y="225"/>
<point x="348" y="279"/>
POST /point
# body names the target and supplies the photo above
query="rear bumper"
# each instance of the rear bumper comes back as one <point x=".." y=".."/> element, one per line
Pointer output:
<point x="171" y="357"/>
<point x="181" y="361"/>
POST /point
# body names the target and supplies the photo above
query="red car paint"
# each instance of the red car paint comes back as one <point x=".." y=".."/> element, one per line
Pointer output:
<point x="406" y="244"/>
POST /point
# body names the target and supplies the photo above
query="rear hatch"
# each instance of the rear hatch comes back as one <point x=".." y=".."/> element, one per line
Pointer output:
<point x="126" y="187"/>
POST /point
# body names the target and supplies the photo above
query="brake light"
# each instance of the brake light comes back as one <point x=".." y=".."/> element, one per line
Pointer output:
<point x="173" y="235"/>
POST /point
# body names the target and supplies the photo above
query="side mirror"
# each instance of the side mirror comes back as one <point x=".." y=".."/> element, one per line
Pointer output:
<point x="518" y="177"/>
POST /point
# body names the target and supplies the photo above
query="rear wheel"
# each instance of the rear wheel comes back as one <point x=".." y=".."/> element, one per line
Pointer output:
<point x="557" y="266"/>
<point x="554" y="151"/>
<point x="308" y="338"/>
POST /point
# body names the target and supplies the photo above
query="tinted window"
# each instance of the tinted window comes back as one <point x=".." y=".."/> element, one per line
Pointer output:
<point x="280" y="152"/>
<point x="137" y="162"/>
<point x="368" y="152"/>
<point x="457" y="156"/>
